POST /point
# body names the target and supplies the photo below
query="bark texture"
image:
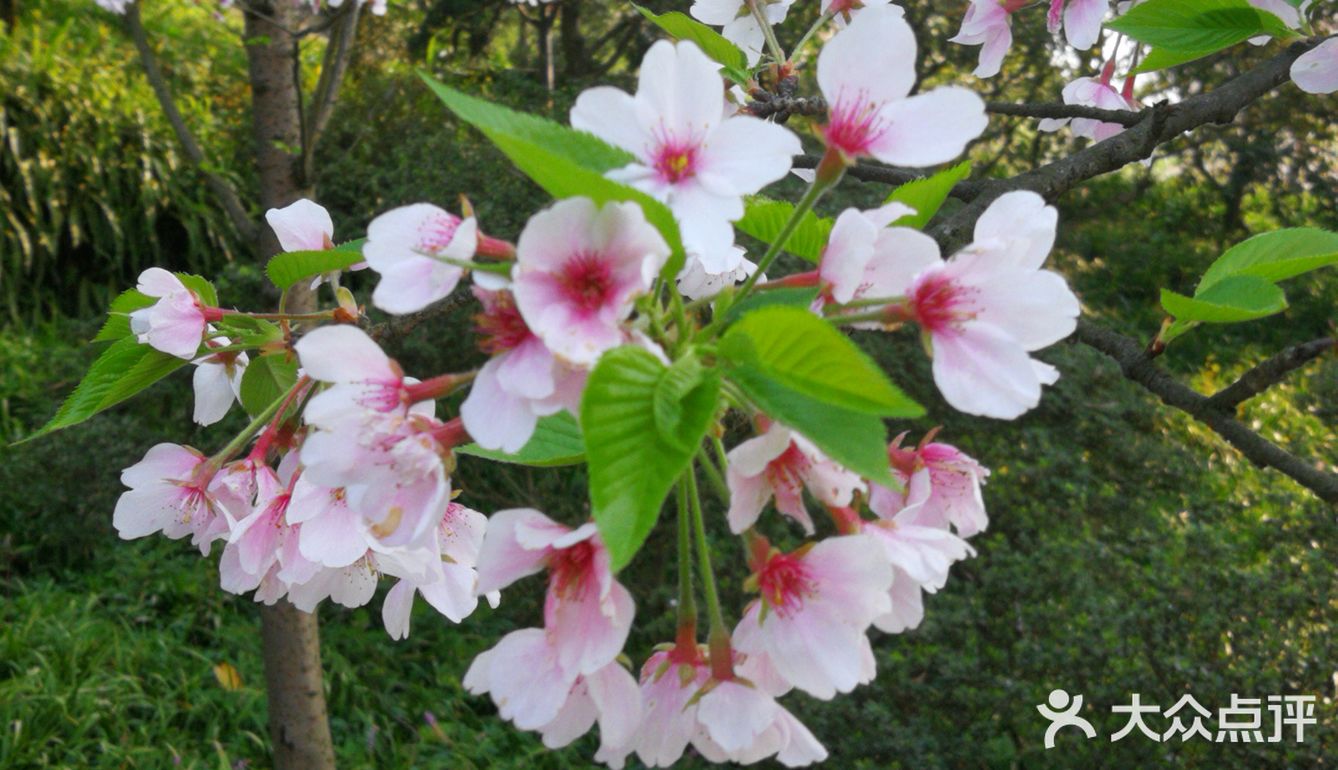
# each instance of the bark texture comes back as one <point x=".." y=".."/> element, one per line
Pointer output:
<point x="298" y="725"/>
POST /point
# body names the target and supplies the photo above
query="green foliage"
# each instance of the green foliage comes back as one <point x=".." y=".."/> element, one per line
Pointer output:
<point x="556" y="441"/>
<point x="643" y="422"/>
<point x="266" y="379"/>
<point x="764" y="219"/>
<point x="926" y="195"/>
<point x="1230" y="300"/>
<point x="93" y="185"/>
<point x="1183" y="30"/>
<point x="288" y="268"/>
<point x="733" y="63"/>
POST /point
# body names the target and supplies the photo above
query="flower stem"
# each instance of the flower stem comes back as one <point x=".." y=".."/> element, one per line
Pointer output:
<point x="804" y="205"/>
<point x="817" y="25"/>
<point x="722" y="664"/>
<point x="260" y="421"/>
<point x="687" y="604"/>
<point x="714" y="476"/>
<point x="773" y="45"/>
<point x="323" y="315"/>
<point x="500" y="268"/>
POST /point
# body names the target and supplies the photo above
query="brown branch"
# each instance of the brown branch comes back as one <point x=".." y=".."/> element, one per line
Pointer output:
<point x="1139" y="368"/>
<point x="867" y="172"/>
<point x="1269" y="373"/>
<point x="227" y="197"/>
<point x="337" y="53"/>
<point x="1125" y="118"/>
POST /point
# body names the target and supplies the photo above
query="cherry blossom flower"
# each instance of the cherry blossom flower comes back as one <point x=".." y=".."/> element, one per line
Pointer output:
<point x="169" y="494"/>
<point x="940" y="487"/>
<point x="694" y="282"/>
<point x="744" y="724"/>
<point x="449" y="583"/>
<point x="217" y="382"/>
<point x="844" y="10"/>
<point x="1091" y="92"/>
<point x="688" y="153"/>
<point x="780" y="464"/>
<point x="578" y="270"/>
<point x="988" y="24"/>
<point x="920" y="557"/>
<point x="738" y="24"/>
<point x="531" y="688"/>
<point x="815" y="605"/>
<point x="866" y="72"/>
<point x="176" y="323"/>
<point x="983" y="310"/>
<point x="302" y="225"/>
<point x="407" y="246"/>
<point x="587" y="612"/>
<point x="1316" y="70"/>
<point x="865" y="258"/>
<point x="1082" y="20"/>
<point x="522" y="382"/>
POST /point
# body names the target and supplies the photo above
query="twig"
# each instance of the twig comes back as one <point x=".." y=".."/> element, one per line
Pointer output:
<point x="337" y="52"/>
<point x="227" y="197"/>
<point x="1269" y="373"/>
<point x="1139" y="368"/>
<point x="1125" y="118"/>
<point x="867" y="172"/>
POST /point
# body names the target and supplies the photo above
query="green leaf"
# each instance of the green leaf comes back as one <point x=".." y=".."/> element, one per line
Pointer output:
<point x="124" y="369"/>
<point x="1275" y="256"/>
<point x="1231" y="300"/>
<point x="800" y="296"/>
<point x="118" y="315"/>
<point x="808" y="355"/>
<point x="266" y="379"/>
<point x="1163" y="58"/>
<point x="563" y="161"/>
<point x="1203" y="26"/>
<point x="764" y="218"/>
<point x="712" y="43"/>
<point x="248" y="331"/>
<point x="289" y="268"/>
<point x="856" y="440"/>
<point x="927" y="195"/>
<point x="556" y="441"/>
<point x="634" y="454"/>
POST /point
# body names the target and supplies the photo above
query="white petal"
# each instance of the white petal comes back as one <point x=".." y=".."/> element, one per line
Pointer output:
<point x="873" y="57"/>
<point x="301" y="226"/>
<point x="930" y="128"/>
<point x="213" y="393"/>
<point x="342" y="353"/>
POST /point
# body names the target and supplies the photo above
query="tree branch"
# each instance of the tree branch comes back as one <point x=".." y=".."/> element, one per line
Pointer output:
<point x="227" y="197"/>
<point x="1125" y="118"/>
<point x="1269" y="373"/>
<point x="868" y="172"/>
<point x="1139" y="368"/>
<point x="337" y="53"/>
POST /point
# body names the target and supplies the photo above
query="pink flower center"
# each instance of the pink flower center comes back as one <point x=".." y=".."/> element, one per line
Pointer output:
<point x="500" y="326"/>
<point x="675" y="160"/>
<point x="572" y="568"/>
<point x="586" y="281"/>
<point x="940" y="304"/>
<point x="854" y="125"/>
<point x="437" y="232"/>
<point x="786" y="470"/>
<point x="783" y="583"/>
<point x="382" y="395"/>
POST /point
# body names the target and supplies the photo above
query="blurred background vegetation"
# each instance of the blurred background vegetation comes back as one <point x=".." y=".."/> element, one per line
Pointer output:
<point x="1129" y="550"/>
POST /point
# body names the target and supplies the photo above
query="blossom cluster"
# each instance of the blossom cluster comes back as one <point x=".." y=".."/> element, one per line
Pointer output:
<point x="349" y="474"/>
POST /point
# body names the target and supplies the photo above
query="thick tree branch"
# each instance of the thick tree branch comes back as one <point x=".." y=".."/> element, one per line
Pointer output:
<point x="338" y="50"/>
<point x="868" y="172"/>
<point x="1138" y="367"/>
<point x="227" y="197"/>
<point x="1269" y="373"/>
<point x="1125" y="118"/>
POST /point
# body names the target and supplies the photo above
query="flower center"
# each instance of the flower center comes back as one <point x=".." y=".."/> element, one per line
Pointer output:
<point x="675" y="160"/>
<point x="437" y="232"/>
<point x="854" y="125"/>
<point x="500" y="326"/>
<point x="572" y="568"/>
<point x="939" y="304"/>
<point x="382" y="395"/>
<point x="586" y="281"/>
<point x="784" y="582"/>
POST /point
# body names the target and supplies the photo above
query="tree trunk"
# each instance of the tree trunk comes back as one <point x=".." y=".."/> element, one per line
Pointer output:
<point x="299" y="727"/>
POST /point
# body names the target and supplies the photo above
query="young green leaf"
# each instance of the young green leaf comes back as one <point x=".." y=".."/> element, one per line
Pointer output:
<point x="1231" y="300"/>
<point x="563" y="161"/>
<point x="289" y="268"/>
<point x="636" y="448"/>
<point x="926" y="195"/>
<point x="1203" y="26"/>
<point x="118" y="315"/>
<point x="1275" y="256"/>
<point x="124" y="369"/>
<point x="713" y="44"/>
<point x="556" y="441"/>
<point x="267" y="378"/>
<point x="806" y="354"/>
<point x="799" y="296"/>
<point x="764" y="218"/>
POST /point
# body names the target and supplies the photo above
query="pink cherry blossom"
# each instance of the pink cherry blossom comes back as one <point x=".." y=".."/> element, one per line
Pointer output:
<point x="587" y="612"/>
<point x="988" y="24"/>
<point x="1091" y="92"/>
<point x="743" y="723"/>
<point x="1316" y="70"/>
<point x="688" y="153"/>
<point x="669" y="681"/>
<point x="217" y="382"/>
<point x="521" y="383"/>
<point x="176" y="323"/>
<point x="578" y="270"/>
<point x="865" y="258"/>
<point x="780" y="464"/>
<point x="449" y="583"/>
<point x="694" y="282"/>
<point x="169" y="494"/>
<point x="866" y="72"/>
<point x="814" y="608"/>
<point x="738" y="24"/>
<point x="407" y="246"/>
<point x="940" y="487"/>
<point x="920" y="557"/>
<point x="534" y="691"/>
<point x="1082" y="20"/>
<point x="302" y="225"/>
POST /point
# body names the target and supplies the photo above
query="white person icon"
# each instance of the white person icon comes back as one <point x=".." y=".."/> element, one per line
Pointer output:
<point x="1063" y="712"/>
